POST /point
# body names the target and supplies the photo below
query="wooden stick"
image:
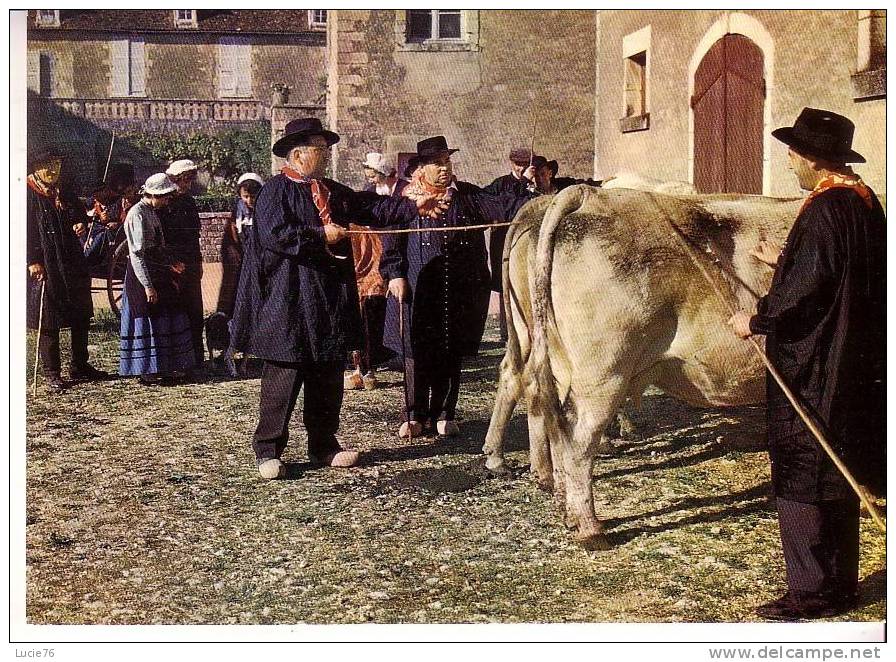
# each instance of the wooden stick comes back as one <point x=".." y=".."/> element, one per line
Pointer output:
<point x="109" y="158"/>
<point x="794" y="401"/>
<point x="404" y="368"/>
<point x="40" y="323"/>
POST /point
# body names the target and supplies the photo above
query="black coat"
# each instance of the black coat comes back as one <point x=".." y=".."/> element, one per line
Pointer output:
<point x="181" y="226"/>
<point x="825" y="318"/>
<point x="448" y="276"/>
<point x="502" y="186"/>
<point x="295" y="302"/>
<point x="52" y="242"/>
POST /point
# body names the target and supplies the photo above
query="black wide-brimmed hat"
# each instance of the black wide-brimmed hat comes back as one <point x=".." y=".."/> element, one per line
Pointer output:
<point x="822" y="134"/>
<point x="427" y="149"/>
<point x="539" y="161"/>
<point x="297" y="133"/>
<point x="44" y="154"/>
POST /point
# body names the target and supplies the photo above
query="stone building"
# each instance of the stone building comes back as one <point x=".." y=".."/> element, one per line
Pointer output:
<point x="90" y="72"/>
<point x="694" y="95"/>
<point x="485" y="79"/>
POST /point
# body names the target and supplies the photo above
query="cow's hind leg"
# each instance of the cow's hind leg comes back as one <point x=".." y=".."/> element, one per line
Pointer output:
<point x="540" y="451"/>
<point x="506" y="397"/>
<point x="594" y="411"/>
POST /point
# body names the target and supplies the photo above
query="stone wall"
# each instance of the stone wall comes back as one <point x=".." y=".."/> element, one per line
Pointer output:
<point x="514" y="70"/>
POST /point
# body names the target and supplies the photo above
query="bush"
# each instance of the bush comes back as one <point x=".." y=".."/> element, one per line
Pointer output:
<point x="225" y="155"/>
<point x="215" y="202"/>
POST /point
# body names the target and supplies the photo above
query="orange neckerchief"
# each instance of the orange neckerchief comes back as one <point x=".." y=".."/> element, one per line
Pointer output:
<point x="419" y="187"/>
<point x="45" y="191"/>
<point x="320" y="194"/>
<point x="840" y="181"/>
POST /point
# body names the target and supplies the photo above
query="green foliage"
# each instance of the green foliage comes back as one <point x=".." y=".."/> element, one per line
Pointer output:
<point x="215" y="202"/>
<point x="225" y="155"/>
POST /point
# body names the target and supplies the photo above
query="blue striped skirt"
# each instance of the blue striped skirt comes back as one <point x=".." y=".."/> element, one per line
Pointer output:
<point x="158" y="343"/>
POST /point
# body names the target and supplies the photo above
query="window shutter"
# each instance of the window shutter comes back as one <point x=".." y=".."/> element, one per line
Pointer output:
<point x="34" y="71"/>
<point x="138" y="67"/>
<point x="118" y="56"/>
<point x="226" y="68"/>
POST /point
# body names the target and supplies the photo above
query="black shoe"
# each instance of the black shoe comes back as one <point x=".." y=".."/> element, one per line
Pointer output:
<point x="87" y="373"/>
<point x="54" y="381"/>
<point x="805" y="606"/>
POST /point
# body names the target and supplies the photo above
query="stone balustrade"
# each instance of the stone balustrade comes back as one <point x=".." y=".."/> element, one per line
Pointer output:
<point x="233" y="110"/>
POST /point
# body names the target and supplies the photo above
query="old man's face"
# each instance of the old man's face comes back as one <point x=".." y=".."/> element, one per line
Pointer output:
<point x="48" y="171"/>
<point x="438" y="171"/>
<point x="311" y="159"/>
<point x="806" y="175"/>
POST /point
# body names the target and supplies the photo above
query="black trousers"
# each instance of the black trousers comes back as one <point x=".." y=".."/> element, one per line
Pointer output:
<point x="821" y="546"/>
<point x="280" y="385"/>
<point x="191" y="298"/>
<point x="432" y="389"/>
<point x="48" y="347"/>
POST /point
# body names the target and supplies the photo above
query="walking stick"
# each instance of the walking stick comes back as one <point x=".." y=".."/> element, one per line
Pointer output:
<point x="40" y="323"/>
<point x="404" y="367"/>
<point x="794" y="401"/>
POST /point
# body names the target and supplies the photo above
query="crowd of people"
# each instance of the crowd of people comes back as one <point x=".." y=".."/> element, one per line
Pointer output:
<point x="308" y="284"/>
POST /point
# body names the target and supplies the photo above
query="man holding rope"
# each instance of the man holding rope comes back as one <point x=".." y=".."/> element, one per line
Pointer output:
<point x="825" y="322"/>
<point x="297" y="302"/>
<point x="439" y="282"/>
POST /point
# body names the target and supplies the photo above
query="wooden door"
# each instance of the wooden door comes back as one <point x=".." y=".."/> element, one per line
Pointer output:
<point x="728" y="101"/>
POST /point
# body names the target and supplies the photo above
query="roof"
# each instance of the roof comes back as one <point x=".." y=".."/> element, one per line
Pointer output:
<point x="272" y="21"/>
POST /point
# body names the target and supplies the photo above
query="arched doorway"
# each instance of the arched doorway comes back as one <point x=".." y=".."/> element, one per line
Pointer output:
<point x="728" y="106"/>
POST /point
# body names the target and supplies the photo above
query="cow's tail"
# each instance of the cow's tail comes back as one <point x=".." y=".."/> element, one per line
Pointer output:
<point x="546" y="343"/>
<point x="510" y="299"/>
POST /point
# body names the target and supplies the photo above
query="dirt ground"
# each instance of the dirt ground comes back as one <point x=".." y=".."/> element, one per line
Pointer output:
<point x="144" y="506"/>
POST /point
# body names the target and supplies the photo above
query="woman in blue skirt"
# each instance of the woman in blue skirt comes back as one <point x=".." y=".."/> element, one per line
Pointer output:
<point x="155" y="331"/>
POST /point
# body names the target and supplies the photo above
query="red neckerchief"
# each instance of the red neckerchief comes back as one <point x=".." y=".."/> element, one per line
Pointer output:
<point x="44" y="191"/>
<point x="840" y="181"/>
<point x="320" y="194"/>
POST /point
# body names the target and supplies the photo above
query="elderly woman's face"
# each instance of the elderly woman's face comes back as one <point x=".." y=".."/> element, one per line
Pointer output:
<point x="184" y="181"/>
<point x="311" y="159"/>
<point x="49" y="171"/>
<point x="374" y="177"/>
<point x="438" y="171"/>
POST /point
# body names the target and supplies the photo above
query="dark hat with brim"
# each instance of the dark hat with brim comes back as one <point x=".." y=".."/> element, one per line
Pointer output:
<point x="539" y="161"/>
<point x="822" y="134"/>
<point x="298" y="132"/>
<point x="432" y="148"/>
<point x="44" y="154"/>
<point x="521" y="156"/>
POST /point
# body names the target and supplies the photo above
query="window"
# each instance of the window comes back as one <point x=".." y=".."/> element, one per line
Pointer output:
<point x="185" y="18"/>
<point x="870" y="80"/>
<point x="317" y="19"/>
<point x="426" y="24"/>
<point x="234" y="67"/>
<point x="635" y="84"/>
<point x="47" y="18"/>
<point x="635" y="62"/>
<point x="40" y="73"/>
<point x="128" y="65"/>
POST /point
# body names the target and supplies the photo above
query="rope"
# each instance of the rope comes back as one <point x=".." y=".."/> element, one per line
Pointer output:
<point x="461" y="228"/>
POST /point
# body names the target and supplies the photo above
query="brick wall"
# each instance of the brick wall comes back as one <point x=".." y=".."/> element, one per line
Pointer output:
<point x="212" y="233"/>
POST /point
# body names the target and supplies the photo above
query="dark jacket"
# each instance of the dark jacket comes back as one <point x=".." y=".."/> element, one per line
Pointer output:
<point x="52" y="243"/>
<point x="181" y="225"/>
<point x="448" y="276"/>
<point x="825" y="318"/>
<point x="296" y="302"/>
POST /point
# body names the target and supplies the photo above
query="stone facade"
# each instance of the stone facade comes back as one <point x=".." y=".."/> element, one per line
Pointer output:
<point x="510" y="71"/>
<point x="810" y="57"/>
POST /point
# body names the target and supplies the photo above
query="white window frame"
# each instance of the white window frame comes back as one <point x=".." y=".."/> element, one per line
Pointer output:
<point x="43" y="21"/>
<point x="468" y="40"/>
<point x="633" y="45"/>
<point x="317" y="24"/>
<point x="180" y="22"/>
<point x="242" y="81"/>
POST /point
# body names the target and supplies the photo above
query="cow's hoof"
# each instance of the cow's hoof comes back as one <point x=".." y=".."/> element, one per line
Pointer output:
<point x="594" y="542"/>
<point x="606" y="447"/>
<point x="545" y="484"/>
<point x="500" y="471"/>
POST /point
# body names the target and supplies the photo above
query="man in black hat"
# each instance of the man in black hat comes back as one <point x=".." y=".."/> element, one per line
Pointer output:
<point x="825" y="323"/>
<point x="520" y="158"/>
<point x="59" y="283"/>
<point x="297" y="301"/>
<point x="546" y="180"/>
<point x="439" y="283"/>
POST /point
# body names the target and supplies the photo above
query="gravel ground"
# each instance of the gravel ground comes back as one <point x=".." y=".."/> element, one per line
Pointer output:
<point x="144" y="506"/>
